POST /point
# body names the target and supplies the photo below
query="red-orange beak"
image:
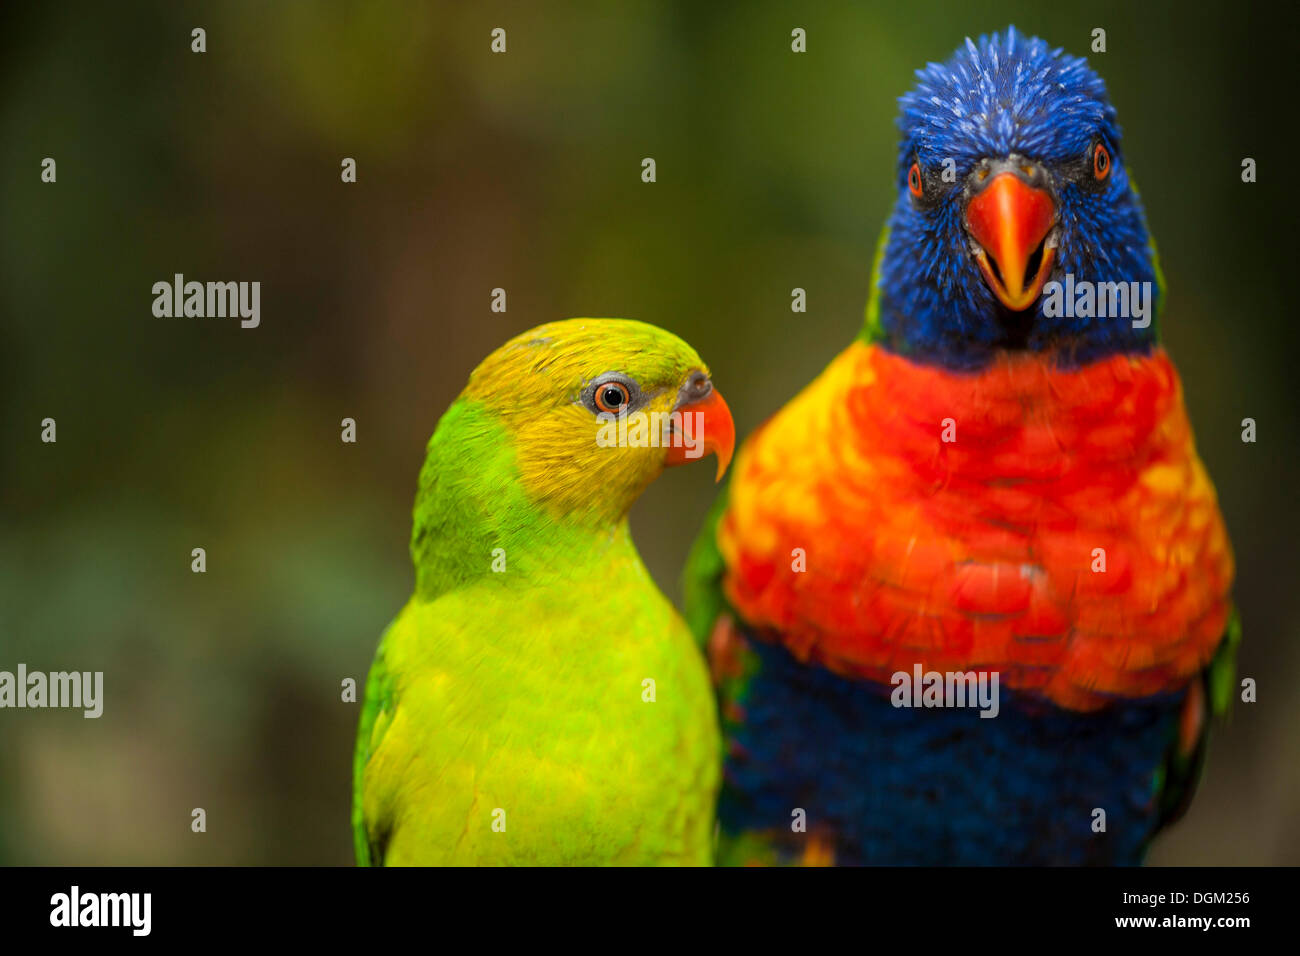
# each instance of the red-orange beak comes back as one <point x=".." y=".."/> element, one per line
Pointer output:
<point x="706" y="426"/>
<point x="1011" y="222"/>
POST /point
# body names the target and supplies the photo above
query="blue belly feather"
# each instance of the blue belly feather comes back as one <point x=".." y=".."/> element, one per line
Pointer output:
<point x="887" y="785"/>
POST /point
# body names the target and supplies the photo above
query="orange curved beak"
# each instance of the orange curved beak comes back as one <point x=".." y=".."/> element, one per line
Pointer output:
<point x="706" y="427"/>
<point x="1010" y="221"/>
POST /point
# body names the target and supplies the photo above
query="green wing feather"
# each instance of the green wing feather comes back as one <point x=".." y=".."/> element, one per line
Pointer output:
<point x="702" y="576"/>
<point x="1177" y="779"/>
<point x="376" y="713"/>
<point x="1222" y="674"/>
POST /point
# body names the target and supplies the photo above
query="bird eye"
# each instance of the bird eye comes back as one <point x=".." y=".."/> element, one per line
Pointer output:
<point x="914" y="180"/>
<point x="1101" y="161"/>
<point x="612" y="396"/>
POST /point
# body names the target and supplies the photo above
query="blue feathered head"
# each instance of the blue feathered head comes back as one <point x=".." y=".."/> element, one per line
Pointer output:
<point x="1013" y="200"/>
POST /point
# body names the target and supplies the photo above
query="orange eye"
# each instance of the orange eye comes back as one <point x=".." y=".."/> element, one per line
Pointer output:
<point x="914" y="180"/>
<point x="1100" y="162"/>
<point x="611" y="397"/>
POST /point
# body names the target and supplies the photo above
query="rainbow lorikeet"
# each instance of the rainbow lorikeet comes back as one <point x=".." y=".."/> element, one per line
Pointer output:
<point x="990" y="483"/>
<point x="538" y="700"/>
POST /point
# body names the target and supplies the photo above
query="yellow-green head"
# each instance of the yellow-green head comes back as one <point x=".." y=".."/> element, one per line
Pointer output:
<point x="555" y="436"/>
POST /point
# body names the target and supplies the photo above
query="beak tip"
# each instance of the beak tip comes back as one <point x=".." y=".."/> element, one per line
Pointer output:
<point x="725" y="448"/>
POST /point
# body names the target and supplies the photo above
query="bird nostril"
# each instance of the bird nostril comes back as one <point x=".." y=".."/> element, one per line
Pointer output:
<point x="697" y="387"/>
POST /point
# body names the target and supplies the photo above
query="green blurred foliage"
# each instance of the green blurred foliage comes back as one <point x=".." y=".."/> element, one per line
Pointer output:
<point x="521" y="171"/>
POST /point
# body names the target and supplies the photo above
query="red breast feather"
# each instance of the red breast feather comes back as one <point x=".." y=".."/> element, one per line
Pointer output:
<point x="979" y="553"/>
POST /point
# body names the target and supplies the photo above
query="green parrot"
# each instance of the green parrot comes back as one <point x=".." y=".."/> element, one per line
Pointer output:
<point x="538" y="701"/>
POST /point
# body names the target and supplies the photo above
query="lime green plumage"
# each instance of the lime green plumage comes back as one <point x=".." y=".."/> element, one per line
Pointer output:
<point x="507" y="717"/>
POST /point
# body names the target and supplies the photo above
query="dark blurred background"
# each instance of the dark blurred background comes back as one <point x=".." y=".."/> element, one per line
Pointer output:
<point x="522" y="171"/>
